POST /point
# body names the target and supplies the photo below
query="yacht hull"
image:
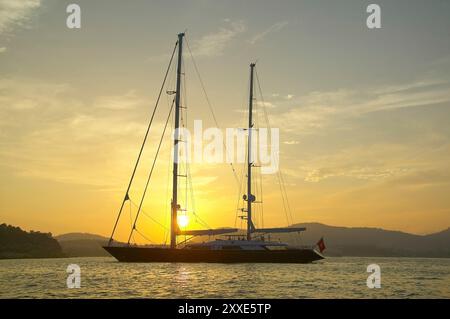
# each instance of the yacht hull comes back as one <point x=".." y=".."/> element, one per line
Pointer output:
<point x="148" y="255"/>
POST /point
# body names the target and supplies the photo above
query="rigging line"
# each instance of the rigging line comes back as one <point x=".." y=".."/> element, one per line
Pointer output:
<point x="285" y="192"/>
<point x="262" y="204"/>
<point x="131" y="217"/>
<point x="284" y="196"/>
<point x="258" y="188"/>
<point x="258" y="172"/>
<point x="148" y="215"/>
<point x="151" y="171"/>
<point x="143" y="143"/>
<point x="197" y="217"/>
<point x="255" y="208"/>
<point x="279" y="174"/>
<point x="286" y="211"/>
<point x="154" y="220"/>
<point x="145" y="237"/>
<point x="133" y="241"/>
<point x="239" y="197"/>
<point x="280" y="177"/>
<point x="261" y="196"/>
<point x="184" y="120"/>
<point x="209" y="105"/>
<point x="166" y="210"/>
<point x="188" y="181"/>
<point x="239" y="194"/>
<point x="259" y="204"/>
<point x="283" y="185"/>
<point x="191" y="188"/>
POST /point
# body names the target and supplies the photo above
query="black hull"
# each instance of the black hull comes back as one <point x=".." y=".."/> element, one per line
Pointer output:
<point x="138" y="254"/>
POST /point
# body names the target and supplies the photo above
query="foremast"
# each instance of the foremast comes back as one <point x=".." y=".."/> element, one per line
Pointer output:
<point x="174" y="229"/>
<point x="250" y="198"/>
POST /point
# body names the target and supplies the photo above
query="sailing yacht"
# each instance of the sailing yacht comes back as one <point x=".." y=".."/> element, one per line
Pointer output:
<point x="251" y="247"/>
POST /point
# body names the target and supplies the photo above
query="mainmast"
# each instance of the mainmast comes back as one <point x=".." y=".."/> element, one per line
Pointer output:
<point x="174" y="224"/>
<point x="250" y="197"/>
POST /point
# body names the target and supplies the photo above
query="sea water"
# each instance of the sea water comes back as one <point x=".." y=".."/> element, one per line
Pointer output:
<point x="330" y="278"/>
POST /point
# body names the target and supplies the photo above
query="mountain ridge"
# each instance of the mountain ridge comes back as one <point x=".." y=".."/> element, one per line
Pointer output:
<point x="367" y="241"/>
<point x="340" y="241"/>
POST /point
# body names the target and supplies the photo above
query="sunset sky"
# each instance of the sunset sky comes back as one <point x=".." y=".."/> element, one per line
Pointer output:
<point x="363" y="114"/>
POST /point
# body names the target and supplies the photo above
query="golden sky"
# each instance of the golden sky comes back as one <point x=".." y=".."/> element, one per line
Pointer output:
<point x="363" y="114"/>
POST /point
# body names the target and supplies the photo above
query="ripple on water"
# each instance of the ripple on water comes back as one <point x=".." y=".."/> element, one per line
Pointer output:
<point x="331" y="278"/>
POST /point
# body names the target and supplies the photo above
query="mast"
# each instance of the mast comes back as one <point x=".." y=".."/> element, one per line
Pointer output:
<point x="250" y="197"/>
<point x="174" y="223"/>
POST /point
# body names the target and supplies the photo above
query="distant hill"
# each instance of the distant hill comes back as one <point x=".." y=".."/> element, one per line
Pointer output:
<point x="340" y="241"/>
<point x="367" y="242"/>
<point x="374" y="242"/>
<point x="82" y="245"/>
<point x="80" y="236"/>
<point x="17" y="243"/>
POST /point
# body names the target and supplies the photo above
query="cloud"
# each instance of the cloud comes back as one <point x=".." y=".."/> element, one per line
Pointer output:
<point x="16" y="13"/>
<point x="375" y="162"/>
<point x="273" y="28"/>
<point x="48" y="132"/>
<point x="380" y="162"/>
<point x="2" y="49"/>
<point x="316" y="109"/>
<point x="422" y="179"/>
<point x="278" y="95"/>
<point x="126" y="101"/>
<point x="265" y="104"/>
<point x="367" y="173"/>
<point x="291" y="142"/>
<point x="25" y="96"/>
<point x="213" y="44"/>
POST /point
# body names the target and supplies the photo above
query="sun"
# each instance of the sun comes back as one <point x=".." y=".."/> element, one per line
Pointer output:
<point x="183" y="221"/>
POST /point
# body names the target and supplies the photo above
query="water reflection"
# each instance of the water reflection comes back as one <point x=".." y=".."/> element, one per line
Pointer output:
<point x="331" y="278"/>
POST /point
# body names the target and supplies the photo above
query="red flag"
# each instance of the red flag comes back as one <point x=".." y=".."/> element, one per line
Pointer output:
<point x="321" y="245"/>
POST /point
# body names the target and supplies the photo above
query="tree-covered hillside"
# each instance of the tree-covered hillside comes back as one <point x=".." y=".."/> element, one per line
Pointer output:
<point x="16" y="243"/>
